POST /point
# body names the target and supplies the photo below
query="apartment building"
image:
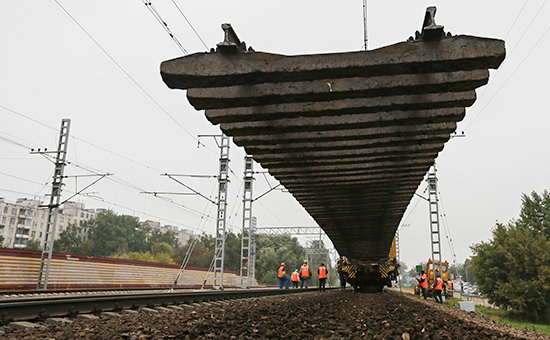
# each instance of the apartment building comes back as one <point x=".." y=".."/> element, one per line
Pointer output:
<point x="182" y="235"/>
<point x="26" y="219"/>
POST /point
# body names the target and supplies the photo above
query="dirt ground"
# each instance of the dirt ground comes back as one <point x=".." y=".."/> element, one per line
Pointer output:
<point x="328" y="315"/>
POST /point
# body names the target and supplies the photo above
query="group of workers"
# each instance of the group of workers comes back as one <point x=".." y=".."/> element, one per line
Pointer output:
<point x="437" y="286"/>
<point x="303" y="276"/>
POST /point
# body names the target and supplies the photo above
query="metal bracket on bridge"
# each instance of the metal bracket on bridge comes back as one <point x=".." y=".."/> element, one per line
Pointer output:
<point x="231" y="42"/>
<point x="430" y="30"/>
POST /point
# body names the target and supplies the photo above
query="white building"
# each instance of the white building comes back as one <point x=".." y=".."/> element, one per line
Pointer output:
<point x="26" y="219"/>
<point x="182" y="235"/>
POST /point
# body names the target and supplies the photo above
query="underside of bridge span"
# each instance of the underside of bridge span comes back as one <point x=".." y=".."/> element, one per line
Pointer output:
<point x="350" y="135"/>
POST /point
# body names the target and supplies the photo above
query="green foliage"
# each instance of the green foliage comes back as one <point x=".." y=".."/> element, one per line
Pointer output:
<point x="511" y="319"/>
<point x="68" y="241"/>
<point x="274" y="249"/>
<point x="1" y="237"/>
<point x="202" y="253"/>
<point x="513" y="269"/>
<point x="110" y="235"/>
<point x="535" y="213"/>
<point x="168" y="237"/>
<point x="33" y="245"/>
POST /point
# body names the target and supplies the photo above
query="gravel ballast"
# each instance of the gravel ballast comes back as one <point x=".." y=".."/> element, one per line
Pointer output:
<point x="328" y="315"/>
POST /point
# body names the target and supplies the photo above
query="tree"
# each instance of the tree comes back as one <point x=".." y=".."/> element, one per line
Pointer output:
<point x="33" y="245"/>
<point x="109" y="233"/>
<point x="513" y="269"/>
<point x="158" y="236"/>
<point x="1" y="237"/>
<point x="271" y="250"/>
<point x="202" y="253"/>
<point x="69" y="241"/>
<point x="535" y="213"/>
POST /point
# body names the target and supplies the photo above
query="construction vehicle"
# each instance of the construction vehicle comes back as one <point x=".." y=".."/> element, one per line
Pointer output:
<point x="371" y="276"/>
<point x="432" y="270"/>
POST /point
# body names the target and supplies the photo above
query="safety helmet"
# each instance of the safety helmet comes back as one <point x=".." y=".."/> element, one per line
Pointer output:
<point x="282" y="263"/>
<point x="305" y="261"/>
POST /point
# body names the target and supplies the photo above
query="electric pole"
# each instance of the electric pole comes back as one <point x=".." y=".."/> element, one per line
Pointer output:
<point x="53" y="207"/>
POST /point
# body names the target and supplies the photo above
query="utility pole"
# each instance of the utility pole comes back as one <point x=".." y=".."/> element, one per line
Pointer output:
<point x="53" y="207"/>
<point x="434" y="219"/>
<point x="223" y="181"/>
<point x="247" y="237"/>
<point x="365" y="35"/>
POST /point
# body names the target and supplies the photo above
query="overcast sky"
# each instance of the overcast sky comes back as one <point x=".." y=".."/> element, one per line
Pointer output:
<point x="97" y="63"/>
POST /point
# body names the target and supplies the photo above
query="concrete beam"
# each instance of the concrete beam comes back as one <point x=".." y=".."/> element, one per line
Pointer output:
<point x="348" y="121"/>
<point x="346" y="134"/>
<point x="331" y="89"/>
<point x="451" y="54"/>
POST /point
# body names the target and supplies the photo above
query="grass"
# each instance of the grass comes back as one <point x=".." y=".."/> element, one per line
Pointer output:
<point x="505" y="317"/>
<point x="501" y="316"/>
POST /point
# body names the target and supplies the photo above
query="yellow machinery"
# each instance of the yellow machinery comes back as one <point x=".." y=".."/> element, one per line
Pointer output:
<point x="371" y="276"/>
<point x="431" y="272"/>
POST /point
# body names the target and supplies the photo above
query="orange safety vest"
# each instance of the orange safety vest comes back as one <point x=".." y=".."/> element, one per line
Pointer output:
<point x="322" y="272"/>
<point x="295" y="276"/>
<point x="424" y="284"/>
<point x="439" y="284"/>
<point x="282" y="272"/>
<point x="450" y="284"/>
<point x="304" y="270"/>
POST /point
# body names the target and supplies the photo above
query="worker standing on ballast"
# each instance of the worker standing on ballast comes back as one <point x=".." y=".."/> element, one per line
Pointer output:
<point x="322" y="271"/>
<point x="282" y="276"/>
<point x="438" y="288"/>
<point x="423" y="281"/>
<point x="450" y="285"/>
<point x="294" y="278"/>
<point x="305" y="274"/>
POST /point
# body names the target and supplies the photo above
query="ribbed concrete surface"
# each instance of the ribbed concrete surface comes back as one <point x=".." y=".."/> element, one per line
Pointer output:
<point x="350" y="135"/>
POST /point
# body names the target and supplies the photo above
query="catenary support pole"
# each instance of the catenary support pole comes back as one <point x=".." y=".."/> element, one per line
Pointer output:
<point x="247" y="237"/>
<point x="53" y="207"/>
<point x="223" y="181"/>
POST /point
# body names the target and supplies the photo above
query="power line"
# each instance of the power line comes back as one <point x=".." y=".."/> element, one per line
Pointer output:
<point x="193" y="28"/>
<point x="509" y="54"/>
<point x="507" y="79"/>
<point x="156" y="14"/>
<point x="124" y="71"/>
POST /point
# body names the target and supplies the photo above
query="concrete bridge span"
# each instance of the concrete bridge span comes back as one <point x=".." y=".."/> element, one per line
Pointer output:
<point x="350" y="135"/>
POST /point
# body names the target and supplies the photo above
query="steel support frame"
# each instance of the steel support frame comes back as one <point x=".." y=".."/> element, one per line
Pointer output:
<point x="247" y="236"/>
<point x="53" y="207"/>
<point x="223" y="181"/>
<point x="434" y="219"/>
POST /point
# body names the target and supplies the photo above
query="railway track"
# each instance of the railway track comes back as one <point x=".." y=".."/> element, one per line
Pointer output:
<point x="41" y="307"/>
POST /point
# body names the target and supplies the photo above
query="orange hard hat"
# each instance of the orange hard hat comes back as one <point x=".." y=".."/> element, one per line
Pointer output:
<point x="305" y="261"/>
<point x="282" y="264"/>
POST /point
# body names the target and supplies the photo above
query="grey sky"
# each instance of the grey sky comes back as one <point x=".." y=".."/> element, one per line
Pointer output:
<point x="50" y="69"/>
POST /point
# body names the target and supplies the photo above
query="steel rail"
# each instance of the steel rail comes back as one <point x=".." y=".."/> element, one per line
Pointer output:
<point x="27" y="309"/>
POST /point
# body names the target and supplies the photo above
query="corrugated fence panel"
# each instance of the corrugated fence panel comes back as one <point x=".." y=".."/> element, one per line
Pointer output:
<point x="19" y="271"/>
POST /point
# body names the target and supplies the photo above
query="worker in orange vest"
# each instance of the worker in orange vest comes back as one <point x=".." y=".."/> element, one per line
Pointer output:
<point x="438" y="288"/>
<point x="322" y="271"/>
<point x="282" y="276"/>
<point x="294" y="278"/>
<point x="450" y="284"/>
<point x="305" y="274"/>
<point x="423" y="281"/>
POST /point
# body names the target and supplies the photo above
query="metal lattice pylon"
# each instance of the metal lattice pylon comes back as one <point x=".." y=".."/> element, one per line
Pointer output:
<point x="434" y="218"/>
<point x="223" y="181"/>
<point x="53" y="207"/>
<point x="247" y="237"/>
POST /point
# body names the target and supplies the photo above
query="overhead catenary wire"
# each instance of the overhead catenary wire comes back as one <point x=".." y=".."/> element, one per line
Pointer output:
<point x="156" y="14"/>
<point x="188" y="22"/>
<point x="509" y="54"/>
<point x="126" y="73"/>
<point x="90" y="169"/>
